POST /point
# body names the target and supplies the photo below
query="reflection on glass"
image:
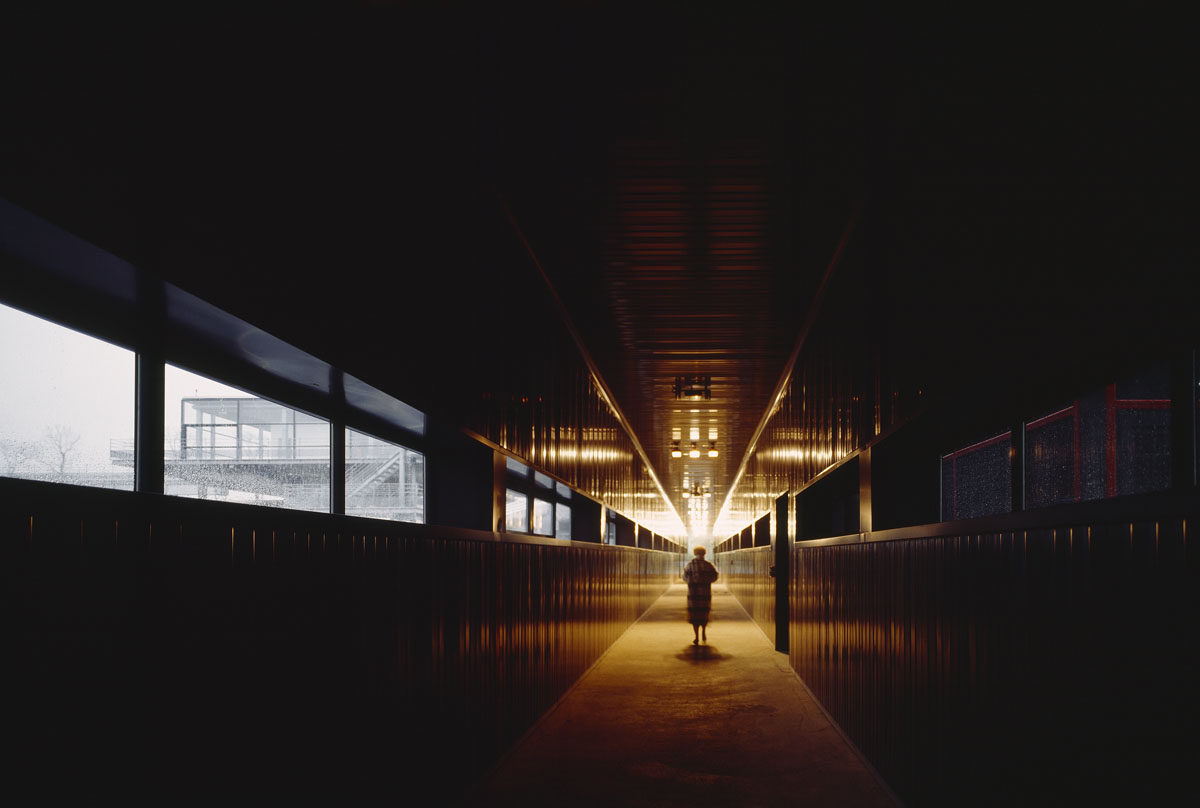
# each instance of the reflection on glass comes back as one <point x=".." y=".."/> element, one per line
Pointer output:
<point x="563" y="490"/>
<point x="562" y="525"/>
<point x="543" y="517"/>
<point x="516" y="511"/>
<point x="517" y="467"/>
<point x="1142" y="432"/>
<point x="977" y="479"/>
<point x="222" y="443"/>
<point x="67" y="411"/>
<point x="1112" y="441"/>
<point x="384" y="480"/>
<point x="544" y="480"/>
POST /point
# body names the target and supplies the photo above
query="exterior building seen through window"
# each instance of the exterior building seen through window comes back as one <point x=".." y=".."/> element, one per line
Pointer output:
<point x="562" y="523"/>
<point x="222" y="443"/>
<point x="543" y="517"/>
<point x="384" y="480"/>
<point x="544" y="504"/>
<point x="516" y="512"/>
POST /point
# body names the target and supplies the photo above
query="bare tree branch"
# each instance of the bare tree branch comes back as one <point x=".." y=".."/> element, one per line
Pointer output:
<point x="61" y="441"/>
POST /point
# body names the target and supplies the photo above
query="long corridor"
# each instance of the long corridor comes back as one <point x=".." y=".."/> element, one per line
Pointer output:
<point x="659" y="721"/>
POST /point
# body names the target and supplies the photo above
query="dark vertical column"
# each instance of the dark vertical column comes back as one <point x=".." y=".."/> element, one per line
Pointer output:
<point x="337" y="467"/>
<point x="499" y="497"/>
<point x="149" y="421"/>
<point x="781" y="566"/>
<point x="149" y="390"/>
<point x="864" y="491"/>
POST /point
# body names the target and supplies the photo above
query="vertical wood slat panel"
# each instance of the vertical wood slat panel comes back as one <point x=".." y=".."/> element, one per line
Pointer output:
<point x="747" y="574"/>
<point x="231" y="642"/>
<point x="998" y="668"/>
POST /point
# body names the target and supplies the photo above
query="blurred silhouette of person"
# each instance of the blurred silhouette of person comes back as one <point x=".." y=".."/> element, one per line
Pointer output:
<point x="699" y="575"/>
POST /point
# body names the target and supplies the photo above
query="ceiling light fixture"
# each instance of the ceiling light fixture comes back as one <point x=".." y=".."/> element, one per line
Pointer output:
<point x="693" y="387"/>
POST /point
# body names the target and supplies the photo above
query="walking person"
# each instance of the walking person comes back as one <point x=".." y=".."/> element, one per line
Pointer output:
<point x="699" y="574"/>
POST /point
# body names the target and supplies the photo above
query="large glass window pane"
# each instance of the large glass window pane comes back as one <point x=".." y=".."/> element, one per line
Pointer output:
<point x="977" y="479"/>
<point x="1142" y="432"/>
<point x="384" y="480"/>
<point x="312" y="440"/>
<point x="1115" y="440"/>
<point x="562" y="524"/>
<point x="516" y="511"/>
<point x="1056" y="460"/>
<point x="543" y="517"/>
<point x="267" y="430"/>
<point x="226" y="444"/>
<point x="68" y="405"/>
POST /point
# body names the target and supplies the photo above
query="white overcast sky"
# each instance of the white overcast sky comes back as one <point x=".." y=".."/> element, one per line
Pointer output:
<point x="52" y="375"/>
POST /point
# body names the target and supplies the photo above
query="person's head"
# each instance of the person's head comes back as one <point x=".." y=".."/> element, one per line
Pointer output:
<point x="699" y="552"/>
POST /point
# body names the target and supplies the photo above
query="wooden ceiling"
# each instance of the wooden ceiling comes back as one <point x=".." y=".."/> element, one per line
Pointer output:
<point x="673" y="212"/>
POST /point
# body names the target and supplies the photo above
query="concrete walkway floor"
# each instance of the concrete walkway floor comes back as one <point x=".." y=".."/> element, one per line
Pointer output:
<point x="658" y="721"/>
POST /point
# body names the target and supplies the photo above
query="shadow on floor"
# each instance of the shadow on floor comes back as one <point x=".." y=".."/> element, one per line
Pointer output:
<point x="701" y="653"/>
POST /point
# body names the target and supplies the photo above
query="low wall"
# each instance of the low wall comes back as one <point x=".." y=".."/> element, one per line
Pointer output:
<point x="1020" y="665"/>
<point x="177" y="644"/>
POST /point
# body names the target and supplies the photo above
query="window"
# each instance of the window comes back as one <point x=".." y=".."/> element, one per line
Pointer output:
<point x="384" y="480"/>
<point x="977" y="479"/>
<point x="550" y="501"/>
<point x="543" y="517"/>
<point x="222" y="443"/>
<point x="562" y="525"/>
<point x="516" y="511"/>
<point x="1110" y="442"/>
<point x="68" y="405"/>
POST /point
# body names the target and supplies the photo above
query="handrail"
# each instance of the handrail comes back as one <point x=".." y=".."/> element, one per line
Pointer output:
<point x="20" y="494"/>
<point x="1129" y="508"/>
<point x="369" y="472"/>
